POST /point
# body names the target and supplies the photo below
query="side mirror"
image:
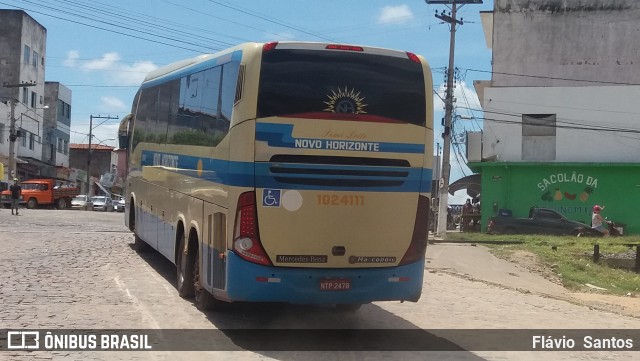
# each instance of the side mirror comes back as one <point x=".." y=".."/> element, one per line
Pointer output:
<point x="123" y="141"/>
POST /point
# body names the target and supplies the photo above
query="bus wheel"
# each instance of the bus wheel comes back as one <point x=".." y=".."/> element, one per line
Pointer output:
<point x="32" y="203"/>
<point x="348" y="307"/>
<point x="62" y="203"/>
<point x="203" y="299"/>
<point x="185" y="265"/>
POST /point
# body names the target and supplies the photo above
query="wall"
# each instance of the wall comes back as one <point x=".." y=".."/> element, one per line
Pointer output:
<point x="566" y="39"/>
<point x="569" y="188"/>
<point x="598" y="108"/>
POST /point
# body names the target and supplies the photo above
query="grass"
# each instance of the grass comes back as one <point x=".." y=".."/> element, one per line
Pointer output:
<point x="571" y="258"/>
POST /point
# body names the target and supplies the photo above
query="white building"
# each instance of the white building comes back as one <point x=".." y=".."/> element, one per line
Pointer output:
<point x="563" y="99"/>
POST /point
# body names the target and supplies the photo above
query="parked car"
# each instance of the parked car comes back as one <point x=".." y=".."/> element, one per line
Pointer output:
<point x="118" y="205"/>
<point x="540" y="221"/>
<point x="102" y="203"/>
<point x="81" y="202"/>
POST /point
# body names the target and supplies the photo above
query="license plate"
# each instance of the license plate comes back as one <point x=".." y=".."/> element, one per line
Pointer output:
<point x="337" y="284"/>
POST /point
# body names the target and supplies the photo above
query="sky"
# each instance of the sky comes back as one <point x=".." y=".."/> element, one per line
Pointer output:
<point x="103" y="49"/>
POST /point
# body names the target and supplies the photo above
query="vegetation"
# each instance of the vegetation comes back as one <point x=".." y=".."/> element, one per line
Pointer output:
<point x="570" y="258"/>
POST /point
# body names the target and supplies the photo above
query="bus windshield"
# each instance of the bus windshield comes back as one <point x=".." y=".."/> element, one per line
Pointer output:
<point x="341" y="85"/>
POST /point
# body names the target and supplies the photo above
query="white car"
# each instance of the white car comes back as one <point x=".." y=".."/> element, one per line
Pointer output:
<point x="118" y="205"/>
<point x="102" y="203"/>
<point x="81" y="202"/>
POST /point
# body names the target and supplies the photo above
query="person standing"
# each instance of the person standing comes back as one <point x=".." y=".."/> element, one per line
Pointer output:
<point x="16" y="192"/>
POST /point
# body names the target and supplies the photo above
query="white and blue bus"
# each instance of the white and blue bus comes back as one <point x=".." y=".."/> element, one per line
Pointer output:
<point x="285" y="172"/>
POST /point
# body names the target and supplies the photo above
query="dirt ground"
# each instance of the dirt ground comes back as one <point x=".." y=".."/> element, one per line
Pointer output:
<point x="628" y="305"/>
<point x="521" y="271"/>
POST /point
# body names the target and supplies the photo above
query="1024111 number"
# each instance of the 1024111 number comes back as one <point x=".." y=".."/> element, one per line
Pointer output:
<point x="337" y="200"/>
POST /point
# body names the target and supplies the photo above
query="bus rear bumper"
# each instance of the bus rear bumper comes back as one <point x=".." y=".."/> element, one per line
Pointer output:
<point x="256" y="283"/>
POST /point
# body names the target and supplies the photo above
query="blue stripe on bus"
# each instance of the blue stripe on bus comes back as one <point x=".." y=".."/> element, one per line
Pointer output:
<point x="259" y="174"/>
<point x="302" y="285"/>
<point x="281" y="135"/>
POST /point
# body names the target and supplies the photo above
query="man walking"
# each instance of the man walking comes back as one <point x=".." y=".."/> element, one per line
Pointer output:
<point x="16" y="191"/>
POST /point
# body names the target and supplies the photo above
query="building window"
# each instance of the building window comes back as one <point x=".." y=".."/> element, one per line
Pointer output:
<point x="538" y="137"/>
<point x="23" y="137"/>
<point x="66" y="147"/>
<point x="35" y="60"/>
<point x="60" y="149"/>
<point x="34" y="96"/>
<point x="27" y="54"/>
<point x="32" y="141"/>
<point x="1" y="133"/>
<point x="25" y="96"/>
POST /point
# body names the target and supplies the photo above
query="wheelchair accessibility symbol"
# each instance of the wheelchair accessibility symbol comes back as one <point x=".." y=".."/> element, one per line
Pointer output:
<point x="271" y="197"/>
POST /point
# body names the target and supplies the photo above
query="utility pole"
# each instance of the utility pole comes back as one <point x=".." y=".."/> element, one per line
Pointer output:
<point x="443" y="182"/>
<point x="91" y="117"/>
<point x="13" y="135"/>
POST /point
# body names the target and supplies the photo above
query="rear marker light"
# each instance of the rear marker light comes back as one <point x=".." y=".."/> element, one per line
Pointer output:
<point x="344" y="47"/>
<point x="268" y="279"/>
<point x="269" y="46"/>
<point x="413" y="57"/>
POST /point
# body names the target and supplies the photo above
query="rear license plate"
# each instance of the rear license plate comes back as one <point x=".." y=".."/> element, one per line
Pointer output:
<point x="337" y="284"/>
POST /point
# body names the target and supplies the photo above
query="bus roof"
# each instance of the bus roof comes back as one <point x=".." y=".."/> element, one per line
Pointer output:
<point x="205" y="61"/>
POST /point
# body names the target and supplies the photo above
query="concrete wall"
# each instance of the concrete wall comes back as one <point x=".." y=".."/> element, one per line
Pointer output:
<point x="596" y="40"/>
<point x="58" y="126"/>
<point x="18" y="29"/>
<point x="602" y="109"/>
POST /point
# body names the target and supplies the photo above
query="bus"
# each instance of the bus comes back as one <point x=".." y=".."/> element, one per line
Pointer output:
<point x="290" y="172"/>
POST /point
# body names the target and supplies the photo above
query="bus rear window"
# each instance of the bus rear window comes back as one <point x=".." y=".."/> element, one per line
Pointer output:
<point x="341" y="85"/>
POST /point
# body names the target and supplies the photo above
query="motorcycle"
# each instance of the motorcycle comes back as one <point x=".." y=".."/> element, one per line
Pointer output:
<point x="615" y="229"/>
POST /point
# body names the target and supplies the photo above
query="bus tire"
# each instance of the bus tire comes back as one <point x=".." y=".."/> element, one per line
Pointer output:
<point x="32" y="203"/>
<point x="185" y="265"/>
<point x="204" y="300"/>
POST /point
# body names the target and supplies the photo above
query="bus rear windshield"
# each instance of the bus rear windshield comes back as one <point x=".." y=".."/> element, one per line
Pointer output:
<point x="341" y="85"/>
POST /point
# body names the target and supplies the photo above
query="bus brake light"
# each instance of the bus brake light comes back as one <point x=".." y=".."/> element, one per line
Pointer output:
<point x="344" y="47"/>
<point x="246" y="239"/>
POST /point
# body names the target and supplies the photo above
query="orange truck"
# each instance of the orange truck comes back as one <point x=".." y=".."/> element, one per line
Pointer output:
<point x="43" y="192"/>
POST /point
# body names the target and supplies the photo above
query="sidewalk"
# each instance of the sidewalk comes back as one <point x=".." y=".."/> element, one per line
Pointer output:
<point x="476" y="263"/>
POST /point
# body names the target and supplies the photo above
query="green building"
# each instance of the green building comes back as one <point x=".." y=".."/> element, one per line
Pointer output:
<point x="569" y="188"/>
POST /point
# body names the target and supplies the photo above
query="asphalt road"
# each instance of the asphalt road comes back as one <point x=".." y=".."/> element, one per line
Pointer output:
<point x="77" y="270"/>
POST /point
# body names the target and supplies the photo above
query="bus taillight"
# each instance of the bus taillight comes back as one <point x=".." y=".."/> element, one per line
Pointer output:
<point x="246" y="239"/>
<point x="418" y="244"/>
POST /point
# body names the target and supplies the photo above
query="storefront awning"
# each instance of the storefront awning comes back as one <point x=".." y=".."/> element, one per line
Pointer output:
<point x="471" y="183"/>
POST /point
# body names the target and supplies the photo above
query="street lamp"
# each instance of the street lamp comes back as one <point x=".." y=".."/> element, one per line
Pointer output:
<point x="89" y="188"/>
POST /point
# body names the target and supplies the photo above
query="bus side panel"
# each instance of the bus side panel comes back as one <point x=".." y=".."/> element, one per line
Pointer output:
<point x="255" y="283"/>
<point x="213" y="245"/>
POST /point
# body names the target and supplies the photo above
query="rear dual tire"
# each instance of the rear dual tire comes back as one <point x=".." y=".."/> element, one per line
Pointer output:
<point x="188" y="277"/>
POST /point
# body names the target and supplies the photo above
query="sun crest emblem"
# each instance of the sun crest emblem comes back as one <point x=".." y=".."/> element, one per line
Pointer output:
<point x="345" y="101"/>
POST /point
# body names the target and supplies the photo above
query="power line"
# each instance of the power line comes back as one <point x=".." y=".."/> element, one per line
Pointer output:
<point x="101" y="28"/>
<point x="271" y="20"/>
<point x="200" y="12"/>
<point x="551" y="77"/>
